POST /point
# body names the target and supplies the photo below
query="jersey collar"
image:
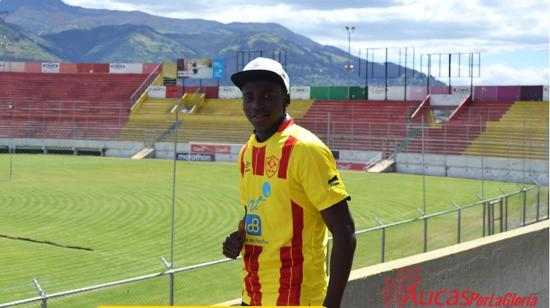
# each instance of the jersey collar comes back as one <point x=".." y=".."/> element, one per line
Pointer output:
<point x="288" y="121"/>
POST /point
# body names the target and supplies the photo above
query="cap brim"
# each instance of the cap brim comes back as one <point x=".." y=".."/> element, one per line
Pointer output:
<point x="241" y="78"/>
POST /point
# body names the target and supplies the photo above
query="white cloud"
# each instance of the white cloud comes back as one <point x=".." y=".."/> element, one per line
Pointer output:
<point x="500" y="74"/>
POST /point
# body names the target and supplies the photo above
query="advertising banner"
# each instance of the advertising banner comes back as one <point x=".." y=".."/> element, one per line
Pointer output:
<point x="396" y="93"/>
<point x="377" y="93"/>
<point x="195" y="156"/>
<point x="50" y="67"/>
<point x="218" y="68"/>
<point x="200" y="68"/>
<point x="157" y="92"/>
<point x="300" y="92"/>
<point x="351" y="166"/>
<point x="210" y="148"/>
<point x="229" y="92"/>
<point x="125" y="68"/>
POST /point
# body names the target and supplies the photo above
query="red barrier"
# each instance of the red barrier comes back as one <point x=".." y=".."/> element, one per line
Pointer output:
<point x="85" y="68"/>
<point x="174" y="92"/>
<point x="33" y="67"/>
<point x="67" y="68"/>
<point x="211" y="92"/>
<point x="351" y="166"/>
<point x="101" y="68"/>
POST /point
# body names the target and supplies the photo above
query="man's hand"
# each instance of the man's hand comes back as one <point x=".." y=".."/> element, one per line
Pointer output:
<point x="233" y="244"/>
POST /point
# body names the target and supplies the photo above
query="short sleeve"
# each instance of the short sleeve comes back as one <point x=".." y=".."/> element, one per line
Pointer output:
<point x="319" y="177"/>
<point x="241" y="167"/>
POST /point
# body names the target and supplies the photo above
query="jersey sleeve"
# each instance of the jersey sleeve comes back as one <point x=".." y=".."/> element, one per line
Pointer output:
<point x="241" y="167"/>
<point x="320" y="179"/>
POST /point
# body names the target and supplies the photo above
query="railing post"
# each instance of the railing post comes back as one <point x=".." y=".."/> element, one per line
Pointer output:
<point x="501" y="227"/>
<point x="484" y="217"/>
<point x="538" y="203"/>
<point x="458" y="221"/>
<point x="506" y="213"/>
<point x="171" y="285"/>
<point x="41" y="293"/>
<point x="524" y="197"/>
<point x="423" y="216"/>
<point x="382" y="239"/>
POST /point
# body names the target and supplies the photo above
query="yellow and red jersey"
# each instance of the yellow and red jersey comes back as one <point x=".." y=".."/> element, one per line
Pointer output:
<point x="285" y="182"/>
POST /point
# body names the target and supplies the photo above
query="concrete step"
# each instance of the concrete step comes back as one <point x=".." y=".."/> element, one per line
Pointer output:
<point x="387" y="165"/>
<point x="146" y="152"/>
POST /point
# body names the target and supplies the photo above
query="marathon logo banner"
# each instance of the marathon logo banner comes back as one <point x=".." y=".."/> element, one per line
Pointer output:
<point x="210" y="148"/>
<point x="195" y="156"/>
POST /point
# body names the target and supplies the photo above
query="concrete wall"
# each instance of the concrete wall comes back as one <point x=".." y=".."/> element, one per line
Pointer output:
<point x="111" y="147"/>
<point x="462" y="166"/>
<point x="514" y="261"/>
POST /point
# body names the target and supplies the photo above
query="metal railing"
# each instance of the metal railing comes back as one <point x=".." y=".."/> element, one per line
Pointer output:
<point x="499" y="214"/>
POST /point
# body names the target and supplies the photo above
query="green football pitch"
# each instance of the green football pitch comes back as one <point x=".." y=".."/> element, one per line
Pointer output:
<point x="73" y="221"/>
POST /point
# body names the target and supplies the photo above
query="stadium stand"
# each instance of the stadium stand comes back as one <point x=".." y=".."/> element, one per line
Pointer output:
<point x="454" y="136"/>
<point x="73" y="106"/>
<point x="223" y="120"/>
<point x="520" y="133"/>
<point x="360" y="125"/>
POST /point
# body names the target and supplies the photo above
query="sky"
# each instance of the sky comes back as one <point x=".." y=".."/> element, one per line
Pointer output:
<point x="512" y="37"/>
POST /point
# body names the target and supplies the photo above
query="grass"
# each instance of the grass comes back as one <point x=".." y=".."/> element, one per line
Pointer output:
<point x="121" y="210"/>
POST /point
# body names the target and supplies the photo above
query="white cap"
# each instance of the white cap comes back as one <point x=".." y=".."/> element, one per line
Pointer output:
<point x="260" y="69"/>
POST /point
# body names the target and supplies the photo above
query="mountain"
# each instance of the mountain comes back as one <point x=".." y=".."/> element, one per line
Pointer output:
<point x="75" y="34"/>
<point x="17" y="45"/>
<point x="126" y="43"/>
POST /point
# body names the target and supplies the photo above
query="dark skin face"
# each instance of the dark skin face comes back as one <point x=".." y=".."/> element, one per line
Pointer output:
<point x="264" y="104"/>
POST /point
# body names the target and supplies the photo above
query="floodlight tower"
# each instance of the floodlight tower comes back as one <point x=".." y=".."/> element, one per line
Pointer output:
<point x="349" y="67"/>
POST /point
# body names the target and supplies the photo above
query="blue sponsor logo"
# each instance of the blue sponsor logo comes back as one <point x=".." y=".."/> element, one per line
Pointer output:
<point x="253" y="225"/>
<point x="255" y="204"/>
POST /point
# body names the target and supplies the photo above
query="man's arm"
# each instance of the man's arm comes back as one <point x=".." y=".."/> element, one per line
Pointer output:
<point x="233" y="243"/>
<point x="340" y="223"/>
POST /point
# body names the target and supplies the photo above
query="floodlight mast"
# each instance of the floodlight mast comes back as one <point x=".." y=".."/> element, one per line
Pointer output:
<point x="349" y="67"/>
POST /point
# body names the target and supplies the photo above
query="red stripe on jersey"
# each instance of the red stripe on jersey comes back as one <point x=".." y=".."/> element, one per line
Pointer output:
<point x="285" y="156"/>
<point x="284" y="276"/>
<point x="286" y="123"/>
<point x="258" y="160"/>
<point x="252" y="279"/>
<point x="291" y="272"/>
<point x="243" y="152"/>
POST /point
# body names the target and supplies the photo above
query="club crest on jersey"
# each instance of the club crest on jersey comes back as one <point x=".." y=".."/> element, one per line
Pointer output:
<point x="271" y="165"/>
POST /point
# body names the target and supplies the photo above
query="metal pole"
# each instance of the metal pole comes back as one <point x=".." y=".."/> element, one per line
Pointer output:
<point x="386" y="76"/>
<point x="484" y="217"/>
<point x="41" y="293"/>
<point x="450" y="88"/>
<point x="538" y="203"/>
<point x="524" y="196"/>
<point x="383" y="247"/>
<point x="458" y="221"/>
<point x="367" y="75"/>
<point x="423" y="171"/>
<point x="383" y="239"/>
<point x="174" y="206"/>
<point x="506" y="213"/>
<point x="482" y="160"/>
<point x="425" y="234"/>
<point x="501" y="226"/>
<point x="405" y="77"/>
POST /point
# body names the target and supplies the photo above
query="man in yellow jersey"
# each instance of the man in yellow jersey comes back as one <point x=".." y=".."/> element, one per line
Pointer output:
<point x="292" y="192"/>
